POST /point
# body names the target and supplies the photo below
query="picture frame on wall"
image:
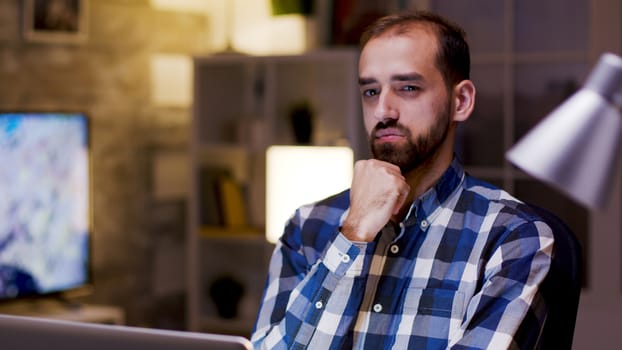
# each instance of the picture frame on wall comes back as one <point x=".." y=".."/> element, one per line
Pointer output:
<point x="55" y="21"/>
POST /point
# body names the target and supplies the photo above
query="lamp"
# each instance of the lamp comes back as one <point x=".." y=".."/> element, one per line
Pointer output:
<point x="575" y="148"/>
<point x="297" y="175"/>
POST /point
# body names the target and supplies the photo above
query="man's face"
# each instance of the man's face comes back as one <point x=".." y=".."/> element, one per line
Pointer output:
<point x="406" y="105"/>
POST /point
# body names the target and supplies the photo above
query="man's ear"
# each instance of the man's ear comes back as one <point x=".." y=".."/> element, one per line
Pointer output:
<point x="464" y="100"/>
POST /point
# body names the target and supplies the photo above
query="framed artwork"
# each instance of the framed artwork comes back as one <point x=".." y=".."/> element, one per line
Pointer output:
<point x="55" y="21"/>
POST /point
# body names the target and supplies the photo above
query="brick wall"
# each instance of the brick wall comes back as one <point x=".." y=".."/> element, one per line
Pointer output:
<point x="108" y="78"/>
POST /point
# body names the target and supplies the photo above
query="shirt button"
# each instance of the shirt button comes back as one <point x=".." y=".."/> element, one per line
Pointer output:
<point x="424" y="224"/>
<point x="378" y="308"/>
<point x="345" y="258"/>
<point x="395" y="249"/>
<point x="319" y="304"/>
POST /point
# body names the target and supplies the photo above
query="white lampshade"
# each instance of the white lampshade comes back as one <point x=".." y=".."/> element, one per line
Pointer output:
<point x="297" y="175"/>
<point x="575" y="148"/>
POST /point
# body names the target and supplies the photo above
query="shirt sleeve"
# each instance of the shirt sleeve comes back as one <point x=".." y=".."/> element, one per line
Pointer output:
<point x="299" y="285"/>
<point x="509" y="310"/>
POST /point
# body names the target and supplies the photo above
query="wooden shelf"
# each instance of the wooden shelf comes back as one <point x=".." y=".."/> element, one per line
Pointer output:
<point x="232" y="233"/>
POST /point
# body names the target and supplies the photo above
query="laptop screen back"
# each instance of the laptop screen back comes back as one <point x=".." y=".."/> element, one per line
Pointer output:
<point x="27" y="333"/>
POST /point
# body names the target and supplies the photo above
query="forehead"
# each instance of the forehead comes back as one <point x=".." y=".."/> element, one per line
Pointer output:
<point x="413" y="47"/>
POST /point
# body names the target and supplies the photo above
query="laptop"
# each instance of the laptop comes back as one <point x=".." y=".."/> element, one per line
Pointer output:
<point x="30" y="333"/>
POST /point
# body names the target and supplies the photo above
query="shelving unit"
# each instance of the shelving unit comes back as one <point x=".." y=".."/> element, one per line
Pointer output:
<point x="242" y="106"/>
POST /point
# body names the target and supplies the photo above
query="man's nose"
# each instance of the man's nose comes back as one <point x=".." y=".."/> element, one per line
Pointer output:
<point x="386" y="107"/>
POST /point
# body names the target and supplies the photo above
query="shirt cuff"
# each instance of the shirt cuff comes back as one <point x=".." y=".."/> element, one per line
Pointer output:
<point x="344" y="258"/>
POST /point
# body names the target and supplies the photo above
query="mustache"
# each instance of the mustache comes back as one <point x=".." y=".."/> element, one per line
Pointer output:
<point x="390" y="123"/>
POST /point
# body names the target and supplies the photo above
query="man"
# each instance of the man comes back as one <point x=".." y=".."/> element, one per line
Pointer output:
<point x="416" y="254"/>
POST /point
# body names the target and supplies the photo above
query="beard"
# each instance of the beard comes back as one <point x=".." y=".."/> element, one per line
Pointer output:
<point x="415" y="152"/>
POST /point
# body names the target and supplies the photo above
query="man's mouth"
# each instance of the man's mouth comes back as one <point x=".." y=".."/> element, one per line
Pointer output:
<point x="388" y="134"/>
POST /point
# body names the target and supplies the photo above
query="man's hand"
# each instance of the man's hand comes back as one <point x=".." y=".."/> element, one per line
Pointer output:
<point x="377" y="193"/>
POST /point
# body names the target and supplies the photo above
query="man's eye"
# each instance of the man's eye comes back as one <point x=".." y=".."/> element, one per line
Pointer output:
<point x="370" y="92"/>
<point x="409" y="88"/>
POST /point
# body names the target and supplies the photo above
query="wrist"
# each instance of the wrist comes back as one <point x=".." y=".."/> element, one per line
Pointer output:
<point x="354" y="233"/>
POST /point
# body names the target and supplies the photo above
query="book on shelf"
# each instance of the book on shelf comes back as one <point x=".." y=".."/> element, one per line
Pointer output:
<point x="210" y="213"/>
<point x="222" y="201"/>
<point x="232" y="202"/>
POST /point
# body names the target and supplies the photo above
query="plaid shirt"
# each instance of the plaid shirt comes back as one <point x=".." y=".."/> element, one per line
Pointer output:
<point x="462" y="271"/>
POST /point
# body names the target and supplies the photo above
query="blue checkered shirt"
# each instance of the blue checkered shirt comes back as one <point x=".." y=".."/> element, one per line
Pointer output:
<point x="462" y="271"/>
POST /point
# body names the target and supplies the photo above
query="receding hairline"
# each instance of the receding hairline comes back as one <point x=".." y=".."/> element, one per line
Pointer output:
<point x="404" y="30"/>
<point x="407" y="30"/>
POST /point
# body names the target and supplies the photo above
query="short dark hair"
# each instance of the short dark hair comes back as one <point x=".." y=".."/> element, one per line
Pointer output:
<point x="452" y="59"/>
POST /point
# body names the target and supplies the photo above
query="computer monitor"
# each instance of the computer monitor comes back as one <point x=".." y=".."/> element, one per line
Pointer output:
<point x="30" y="333"/>
<point x="45" y="204"/>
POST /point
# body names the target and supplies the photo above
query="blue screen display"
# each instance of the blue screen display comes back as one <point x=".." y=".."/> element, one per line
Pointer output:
<point x="44" y="203"/>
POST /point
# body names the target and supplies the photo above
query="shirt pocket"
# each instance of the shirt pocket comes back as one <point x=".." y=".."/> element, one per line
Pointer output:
<point x="434" y="312"/>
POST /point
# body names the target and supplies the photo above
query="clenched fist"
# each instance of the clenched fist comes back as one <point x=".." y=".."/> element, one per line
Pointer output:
<point x="378" y="191"/>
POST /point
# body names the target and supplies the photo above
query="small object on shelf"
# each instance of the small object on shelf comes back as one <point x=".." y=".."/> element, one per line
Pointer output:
<point x="226" y="293"/>
<point x="301" y="118"/>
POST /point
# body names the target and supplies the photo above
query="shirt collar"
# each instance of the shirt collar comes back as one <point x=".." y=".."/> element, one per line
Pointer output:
<point x="444" y="189"/>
